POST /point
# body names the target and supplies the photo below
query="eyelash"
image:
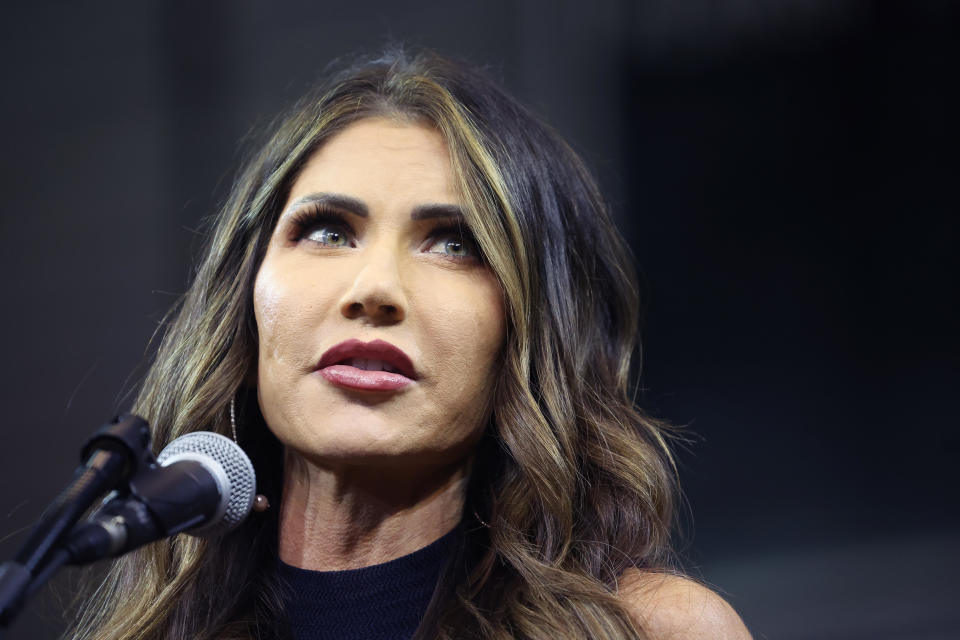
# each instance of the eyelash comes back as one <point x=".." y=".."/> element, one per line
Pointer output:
<point x="308" y="219"/>
<point x="458" y="234"/>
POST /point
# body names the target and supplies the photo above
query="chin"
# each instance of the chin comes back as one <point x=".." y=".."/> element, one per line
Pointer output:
<point x="354" y="439"/>
<point x="387" y="446"/>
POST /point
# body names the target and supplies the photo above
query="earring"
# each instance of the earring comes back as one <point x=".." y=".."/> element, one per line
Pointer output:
<point x="260" y="502"/>
<point x="479" y="519"/>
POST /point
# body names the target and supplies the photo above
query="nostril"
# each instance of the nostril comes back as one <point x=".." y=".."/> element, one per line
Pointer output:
<point x="376" y="311"/>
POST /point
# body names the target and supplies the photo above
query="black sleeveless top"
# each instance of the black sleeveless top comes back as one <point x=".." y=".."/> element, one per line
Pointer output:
<point x="385" y="601"/>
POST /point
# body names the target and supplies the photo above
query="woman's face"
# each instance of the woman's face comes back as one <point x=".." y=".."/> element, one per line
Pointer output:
<point x="379" y="325"/>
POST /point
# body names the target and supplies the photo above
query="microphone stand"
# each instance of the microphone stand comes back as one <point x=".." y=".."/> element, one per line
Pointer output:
<point x="112" y="456"/>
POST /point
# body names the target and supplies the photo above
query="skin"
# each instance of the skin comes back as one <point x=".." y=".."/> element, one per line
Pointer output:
<point x="669" y="607"/>
<point x="370" y="476"/>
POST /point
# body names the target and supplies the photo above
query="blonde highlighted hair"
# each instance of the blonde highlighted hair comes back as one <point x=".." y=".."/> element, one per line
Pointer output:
<point x="572" y="484"/>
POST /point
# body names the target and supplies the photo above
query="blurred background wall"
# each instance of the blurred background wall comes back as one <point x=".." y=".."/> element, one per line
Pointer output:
<point x="785" y="171"/>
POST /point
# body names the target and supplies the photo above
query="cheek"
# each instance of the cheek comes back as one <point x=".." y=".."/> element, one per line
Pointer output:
<point x="468" y="325"/>
<point x="489" y="319"/>
<point x="271" y="307"/>
<point x="267" y="304"/>
<point x="288" y="309"/>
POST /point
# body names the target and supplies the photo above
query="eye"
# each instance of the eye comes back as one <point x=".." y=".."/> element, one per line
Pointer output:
<point x="453" y="244"/>
<point x="322" y="226"/>
<point x="333" y="235"/>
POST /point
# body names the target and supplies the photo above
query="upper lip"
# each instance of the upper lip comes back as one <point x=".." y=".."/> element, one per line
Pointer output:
<point x="373" y="350"/>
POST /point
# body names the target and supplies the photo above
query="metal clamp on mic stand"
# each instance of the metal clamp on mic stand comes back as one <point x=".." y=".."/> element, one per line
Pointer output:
<point x="115" y="453"/>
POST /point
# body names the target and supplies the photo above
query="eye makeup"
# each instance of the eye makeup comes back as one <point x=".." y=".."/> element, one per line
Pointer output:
<point x="308" y="219"/>
<point x="455" y="240"/>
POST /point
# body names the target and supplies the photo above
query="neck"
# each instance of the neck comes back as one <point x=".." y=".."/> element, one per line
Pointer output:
<point x="341" y="517"/>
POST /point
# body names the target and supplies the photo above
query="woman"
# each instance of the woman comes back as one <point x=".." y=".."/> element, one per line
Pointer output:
<point x="420" y="318"/>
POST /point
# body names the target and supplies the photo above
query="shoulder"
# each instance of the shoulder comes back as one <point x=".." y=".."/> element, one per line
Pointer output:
<point x="670" y="607"/>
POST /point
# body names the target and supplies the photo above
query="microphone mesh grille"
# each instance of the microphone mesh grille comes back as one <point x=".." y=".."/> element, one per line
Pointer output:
<point x="235" y="464"/>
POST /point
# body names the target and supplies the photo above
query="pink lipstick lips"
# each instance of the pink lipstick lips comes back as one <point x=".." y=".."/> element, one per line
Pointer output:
<point x="367" y="366"/>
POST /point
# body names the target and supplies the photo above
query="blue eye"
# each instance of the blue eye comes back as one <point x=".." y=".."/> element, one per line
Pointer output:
<point x="322" y="226"/>
<point x="332" y="235"/>
<point x="453" y="245"/>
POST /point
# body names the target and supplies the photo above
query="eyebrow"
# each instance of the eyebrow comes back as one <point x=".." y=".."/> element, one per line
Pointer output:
<point x="359" y="208"/>
<point x="335" y="200"/>
<point x="428" y="211"/>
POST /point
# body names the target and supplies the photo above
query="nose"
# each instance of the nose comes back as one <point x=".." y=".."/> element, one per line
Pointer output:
<point x="376" y="292"/>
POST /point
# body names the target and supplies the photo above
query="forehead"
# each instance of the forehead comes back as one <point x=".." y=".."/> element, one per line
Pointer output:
<point x="381" y="160"/>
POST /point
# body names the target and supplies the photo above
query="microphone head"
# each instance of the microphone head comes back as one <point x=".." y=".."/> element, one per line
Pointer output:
<point x="230" y="468"/>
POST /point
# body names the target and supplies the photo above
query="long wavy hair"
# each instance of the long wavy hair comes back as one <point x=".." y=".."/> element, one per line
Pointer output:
<point x="571" y="485"/>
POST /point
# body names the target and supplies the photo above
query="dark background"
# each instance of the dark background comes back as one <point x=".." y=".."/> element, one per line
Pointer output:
<point x="785" y="171"/>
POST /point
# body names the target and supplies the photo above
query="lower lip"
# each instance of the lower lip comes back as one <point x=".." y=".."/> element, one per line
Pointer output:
<point x="352" y="378"/>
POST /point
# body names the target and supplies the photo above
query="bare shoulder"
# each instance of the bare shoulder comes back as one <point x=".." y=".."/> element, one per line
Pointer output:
<point x="669" y="607"/>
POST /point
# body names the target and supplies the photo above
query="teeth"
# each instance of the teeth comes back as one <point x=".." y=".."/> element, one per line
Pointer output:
<point x="368" y="364"/>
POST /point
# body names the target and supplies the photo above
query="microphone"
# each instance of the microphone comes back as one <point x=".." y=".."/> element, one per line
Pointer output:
<point x="203" y="484"/>
<point x="115" y="453"/>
